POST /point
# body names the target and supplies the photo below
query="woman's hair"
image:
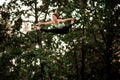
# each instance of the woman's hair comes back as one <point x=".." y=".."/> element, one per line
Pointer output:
<point x="56" y="14"/>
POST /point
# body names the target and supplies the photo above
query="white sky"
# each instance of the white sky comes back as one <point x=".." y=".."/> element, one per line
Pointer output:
<point x="2" y="1"/>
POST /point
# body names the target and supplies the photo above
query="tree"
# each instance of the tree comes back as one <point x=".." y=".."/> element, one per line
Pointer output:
<point x="103" y="29"/>
<point x="90" y="51"/>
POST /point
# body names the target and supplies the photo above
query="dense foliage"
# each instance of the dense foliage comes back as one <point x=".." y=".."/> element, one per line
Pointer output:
<point x="90" y="51"/>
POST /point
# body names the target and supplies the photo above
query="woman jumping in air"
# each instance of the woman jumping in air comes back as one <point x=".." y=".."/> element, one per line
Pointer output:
<point x="61" y="28"/>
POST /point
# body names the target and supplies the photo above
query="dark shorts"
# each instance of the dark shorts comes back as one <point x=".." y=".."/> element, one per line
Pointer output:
<point x="63" y="30"/>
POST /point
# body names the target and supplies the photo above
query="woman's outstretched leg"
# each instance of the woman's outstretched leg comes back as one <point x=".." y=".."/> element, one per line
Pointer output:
<point x="63" y="30"/>
<point x="51" y="30"/>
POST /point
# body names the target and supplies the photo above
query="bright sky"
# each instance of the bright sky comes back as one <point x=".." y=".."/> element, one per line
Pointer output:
<point x="2" y="1"/>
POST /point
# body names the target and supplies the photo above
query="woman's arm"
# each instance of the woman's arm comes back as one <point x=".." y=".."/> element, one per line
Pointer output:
<point x="44" y="23"/>
<point x="65" y="20"/>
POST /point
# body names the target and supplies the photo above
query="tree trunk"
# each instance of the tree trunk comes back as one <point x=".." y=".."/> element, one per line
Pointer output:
<point x="109" y="52"/>
<point x="83" y="63"/>
<point x="83" y="51"/>
<point x="76" y="67"/>
<point x="108" y="60"/>
<point x="42" y="71"/>
<point x="39" y="36"/>
<point x="108" y="69"/>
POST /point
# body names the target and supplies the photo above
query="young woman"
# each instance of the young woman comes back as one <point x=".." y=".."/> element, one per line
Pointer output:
<point x="61" y="28"/>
